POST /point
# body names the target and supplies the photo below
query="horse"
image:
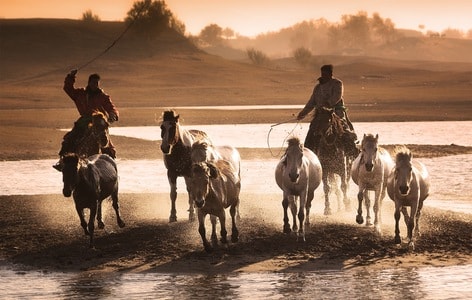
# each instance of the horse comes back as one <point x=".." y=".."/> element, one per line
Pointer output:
<point x="203" y="152"/>
<point x="298" y="174"/>
<point x="408" y="186"/>
<point x="176" y="147"/>
<point x="332" y="155"/>
<point x="95" y="138"/>
<point x="90" y="181"/>
<point x="215" y="186"/>
<point x="370" y="172"/>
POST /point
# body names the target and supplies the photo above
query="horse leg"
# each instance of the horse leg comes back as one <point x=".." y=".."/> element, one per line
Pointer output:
<point x="191" y="206"/>
<point x="411" y="226"/>
<point x="368" y="219"/>
<point x="360" y="197"/>
<point x="293" y="208"/>
<point x="418" y="214"/>
<point x="398" y="240"/>
<point x="233" y="210"/>
<point x="301" y="216"/>
<point x="91" y="223"/>
<point x="286" y="220"/>
<point x="116" y="207"/>
<point x="100" y="223"/>
<point x="213" y="237"/>
<point x="309" y="199"/>
<point x="377" y="212"/>
<point x="201" y="230"/>
<point x="223" y="232"/>
<point x="173" y="196"/>
<point x="83" y="223"/>
<point x="326" y="189"/>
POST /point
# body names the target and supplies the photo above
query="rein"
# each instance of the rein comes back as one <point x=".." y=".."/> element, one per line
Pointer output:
<point x="285" y="139"/>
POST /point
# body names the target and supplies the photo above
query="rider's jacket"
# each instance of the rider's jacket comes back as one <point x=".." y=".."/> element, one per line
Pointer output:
<point x="86" y="102"/>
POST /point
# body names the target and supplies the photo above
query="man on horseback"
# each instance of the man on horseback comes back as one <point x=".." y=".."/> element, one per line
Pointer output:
<point x="88" y="101"/>
<point x="328" y="94"/>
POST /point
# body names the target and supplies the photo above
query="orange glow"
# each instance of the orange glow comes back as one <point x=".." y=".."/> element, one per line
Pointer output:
<point x="251" y="17"/>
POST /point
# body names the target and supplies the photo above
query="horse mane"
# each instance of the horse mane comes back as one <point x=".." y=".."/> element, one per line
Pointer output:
<point x="293" y="141"/>
<point x="170" y="115"/>
<point x="402" y="153"/>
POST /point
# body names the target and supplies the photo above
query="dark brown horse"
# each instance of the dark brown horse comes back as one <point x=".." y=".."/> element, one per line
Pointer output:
<point x="96" y="137"/>
<point x="177" y="147"/>
<point x="332" y="155"/>
<point x="90" y="181"/>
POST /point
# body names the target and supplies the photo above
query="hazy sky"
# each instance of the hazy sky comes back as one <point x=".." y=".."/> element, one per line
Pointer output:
<point x="251" y="17"/>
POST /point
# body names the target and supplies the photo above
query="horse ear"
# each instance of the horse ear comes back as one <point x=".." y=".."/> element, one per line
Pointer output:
<point x="377" y="137"/>
<point x="214" y="173"/>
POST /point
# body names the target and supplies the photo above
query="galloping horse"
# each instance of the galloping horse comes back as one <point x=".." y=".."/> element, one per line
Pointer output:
<point x="95" y="138"/>
<point x="176" y="147"/>
<point x="298" y="174"/>
<point x="408" y="186"/>
<point x="215" y="187"/>
<point x="370" y="172"/>
<point x="90" y="181"/>
<point x="204" y="152"/>
<point x="332" y="155"/>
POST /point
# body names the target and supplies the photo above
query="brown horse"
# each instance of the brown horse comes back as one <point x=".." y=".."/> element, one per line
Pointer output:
<point x="177" y="146"/>
<point x="95" y="138"/>
<point x="332" y="155"/>
<point x="90" y="181"/>
<point x="215" y="186"/>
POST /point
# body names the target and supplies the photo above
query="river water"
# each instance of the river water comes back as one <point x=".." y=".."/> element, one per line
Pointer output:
<point x="451" y="190"/>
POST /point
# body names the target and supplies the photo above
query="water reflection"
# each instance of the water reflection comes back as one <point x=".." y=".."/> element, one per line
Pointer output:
<point x="399" y="283"/>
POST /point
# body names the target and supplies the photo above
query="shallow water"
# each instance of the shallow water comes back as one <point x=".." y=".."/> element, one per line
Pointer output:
<point x="405" y="283"/>
<point x="451" y="190"/>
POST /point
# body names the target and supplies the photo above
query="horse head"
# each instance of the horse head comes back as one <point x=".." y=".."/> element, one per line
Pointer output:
<point x="169" y="131"/>
<point x="369" y="151"/>
<point x="329" y="125"/>
<point x="99" y="127"/>
<point x="293" y="159"/>
<point x="202" y="173"/>
<point x="70" y="173"/>
<point x="403" y="171"/>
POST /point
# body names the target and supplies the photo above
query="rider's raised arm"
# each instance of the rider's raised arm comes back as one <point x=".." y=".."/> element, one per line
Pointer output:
<point x="69" y="88"/>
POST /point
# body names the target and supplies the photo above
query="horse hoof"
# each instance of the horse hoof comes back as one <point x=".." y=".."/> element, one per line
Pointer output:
<point x="411" y="246"/>
<point x="359" y="219"/>
<point x="101" y="225"/>
<point x="191" y="217"/>
<point x="327" y="212"/>
<point x="121" y="224"/>
<point x="172" y="219"/>
<point x="398" y="240"/>
<point x="287" y="229"/>
<point x="234" y="239"/>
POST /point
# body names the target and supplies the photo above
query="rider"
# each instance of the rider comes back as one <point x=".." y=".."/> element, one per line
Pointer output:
<point x="328" y="93"/>
<point x="87" y="100"/>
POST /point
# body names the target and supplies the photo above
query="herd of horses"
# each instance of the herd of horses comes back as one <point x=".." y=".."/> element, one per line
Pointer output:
<point x="212" y="176"/>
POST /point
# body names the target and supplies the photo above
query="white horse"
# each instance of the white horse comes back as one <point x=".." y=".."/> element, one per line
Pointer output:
<point x="370" y="172"/>
<point x="408" y="186"/>
<point x="298" y="174"/>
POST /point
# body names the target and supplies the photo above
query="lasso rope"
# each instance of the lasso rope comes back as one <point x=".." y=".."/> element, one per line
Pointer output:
<point x="285" y="139"/>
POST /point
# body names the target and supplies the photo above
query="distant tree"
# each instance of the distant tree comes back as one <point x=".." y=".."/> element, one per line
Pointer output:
<point x="152" y="17"/>
<point x="228" y="33"/>
<point x="257" y="57"/>
<point x="212" y="35"/>
<point x="302" y="56"/>
<point x="88" y="16"/>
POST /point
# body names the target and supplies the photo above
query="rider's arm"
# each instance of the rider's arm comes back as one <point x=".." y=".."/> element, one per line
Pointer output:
<point x="309" y="106"/>
<point x="110" y="108"/>
<point x="69" y="88"/>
